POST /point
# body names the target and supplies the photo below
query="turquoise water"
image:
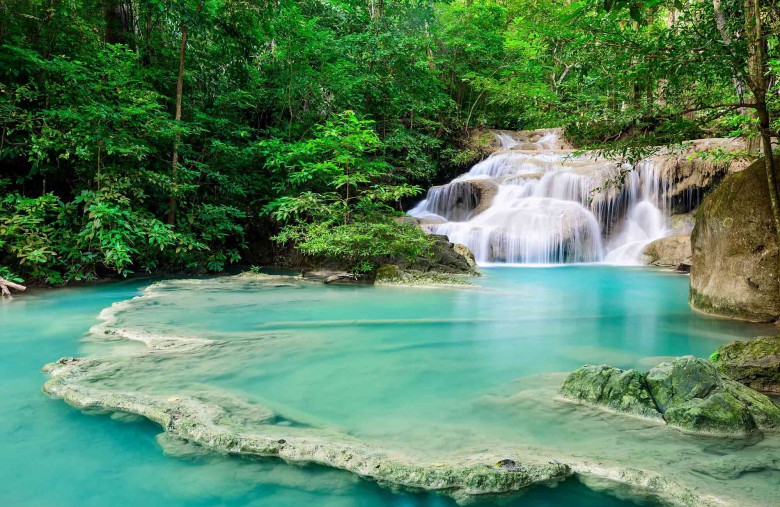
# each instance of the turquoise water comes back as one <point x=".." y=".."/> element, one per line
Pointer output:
<point x="432" y="372"/>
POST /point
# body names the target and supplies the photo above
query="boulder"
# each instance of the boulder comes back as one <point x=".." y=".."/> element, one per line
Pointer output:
<point x="754" y="363"/>
<point x="619" y="390"/>
<point x="687" y="393"/>
<point x="466" y="253"/>
<point x="691" y="394"/>
<point x="447" y="264"/>
<point x="671" y="251"/>
<point x="735" y="264"/>
<point x="445" y="257"/>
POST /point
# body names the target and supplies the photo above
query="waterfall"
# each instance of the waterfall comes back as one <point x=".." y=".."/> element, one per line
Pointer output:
<point x="533" y="202"/>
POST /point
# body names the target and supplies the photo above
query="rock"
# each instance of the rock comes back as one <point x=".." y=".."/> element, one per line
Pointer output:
<point x="619" y="390"/>
<point x="467" y="254"/>
<point x="342" y="278"/>
<point x="447" y="265"/>
<point x="445" y="257"/>
<point x="690" y="176"/>
<point x="461" y="200"/>
<point x="509" y="465"/>
<point x="687" y="393"/>
<point x="691" y="395"/>
<point x="754" y="363"/>
<point x="390" y="274"/>
<point x="671" y="251"/>
<point x="216" y="428"/>
<point x="682" y="224"/>
<point x="735" y="258"/>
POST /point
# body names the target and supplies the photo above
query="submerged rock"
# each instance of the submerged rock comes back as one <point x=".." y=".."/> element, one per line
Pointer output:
<point x="735" y="263"/>
<point x="218" y="429"/>
<point x="687" y="393"/>
<point x="754" y="363"/>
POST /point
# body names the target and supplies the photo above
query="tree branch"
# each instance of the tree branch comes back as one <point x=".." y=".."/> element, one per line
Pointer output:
<point x="5" y="285"/>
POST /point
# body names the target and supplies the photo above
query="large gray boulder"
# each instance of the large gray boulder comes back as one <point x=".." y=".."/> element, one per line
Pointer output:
<point x="754" y="363"/>
<point x="735" y="265"/>
<point x="687" y="393"/>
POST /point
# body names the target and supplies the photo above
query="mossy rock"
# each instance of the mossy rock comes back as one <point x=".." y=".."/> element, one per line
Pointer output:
<point x="388" y="273"/>
<point x="692" y="395"/>
<point x="613" y="388"/>
<point x="687" y="393"/>
<point x="391" y="274"/>
<point x="754" y="363"/>
<point x="735" y="264"/>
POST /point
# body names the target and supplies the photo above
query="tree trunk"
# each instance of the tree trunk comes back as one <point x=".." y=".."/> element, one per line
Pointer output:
<point x="757" y="81"/>
<point x="179" y="92"/>
<point x="739" y="83"/>
<point x="5" y="285"/>
<point x="118" y="18"/>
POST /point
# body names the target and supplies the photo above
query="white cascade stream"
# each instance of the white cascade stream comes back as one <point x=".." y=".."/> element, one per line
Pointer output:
<point x="544" y="209"/>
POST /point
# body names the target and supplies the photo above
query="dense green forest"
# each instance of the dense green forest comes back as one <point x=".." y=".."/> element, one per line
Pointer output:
<point x="185" y="135"/>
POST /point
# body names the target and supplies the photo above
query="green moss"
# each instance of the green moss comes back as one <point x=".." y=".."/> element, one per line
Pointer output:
<point x="687" y="393"/>
<point x="754" y="363"/>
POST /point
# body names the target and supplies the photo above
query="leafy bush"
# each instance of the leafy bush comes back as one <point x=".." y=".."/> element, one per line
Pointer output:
<point x="338" y="193"/>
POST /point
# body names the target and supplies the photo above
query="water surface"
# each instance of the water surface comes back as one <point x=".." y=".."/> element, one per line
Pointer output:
<point x="429" y="372"/>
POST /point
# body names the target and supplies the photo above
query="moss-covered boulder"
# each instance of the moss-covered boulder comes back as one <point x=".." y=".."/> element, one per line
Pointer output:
<point x="754" y="363"/>
<point x="735" y="264"/>
<point x="448" y="264"/>
<point x="691" y="394"/>
<point x="687" y="393"/>
<point x="621" y="390"/>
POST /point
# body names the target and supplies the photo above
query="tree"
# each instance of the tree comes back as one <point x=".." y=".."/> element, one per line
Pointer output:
<point x="747" y="57"/>
<point x="335" y="189"/>
<point x="177" y="116"/>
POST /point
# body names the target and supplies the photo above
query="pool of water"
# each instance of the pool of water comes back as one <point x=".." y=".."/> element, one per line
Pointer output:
<point x="429" y="372"/>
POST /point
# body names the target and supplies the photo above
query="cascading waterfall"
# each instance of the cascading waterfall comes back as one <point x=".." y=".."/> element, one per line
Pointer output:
<point x="534" y="203"/>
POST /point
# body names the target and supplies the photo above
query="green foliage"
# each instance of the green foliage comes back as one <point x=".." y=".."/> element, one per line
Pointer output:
<point x="267" y="145"/>
<point x="361" y="245"/>
<point x="336" y="195"/>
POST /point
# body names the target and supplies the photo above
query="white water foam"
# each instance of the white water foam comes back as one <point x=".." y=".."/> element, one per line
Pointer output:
<point x="551" y="207"/>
